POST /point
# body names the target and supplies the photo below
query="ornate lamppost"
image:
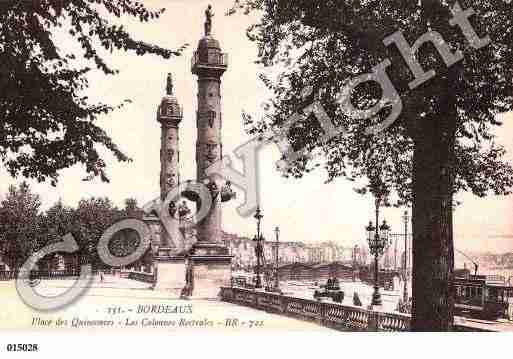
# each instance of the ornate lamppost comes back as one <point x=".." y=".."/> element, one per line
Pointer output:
<point x="405" y="289"/>
<point x="276" y="253"/>
<point x="378" y="240"/>
<point x="258" y="239"/>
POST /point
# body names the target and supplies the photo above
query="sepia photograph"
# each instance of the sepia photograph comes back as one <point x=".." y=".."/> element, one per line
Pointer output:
<point x="253" y="167"/>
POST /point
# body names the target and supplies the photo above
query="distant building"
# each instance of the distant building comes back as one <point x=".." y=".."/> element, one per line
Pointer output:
<point x="316" y="272"/>
<point x="243" y="250"/>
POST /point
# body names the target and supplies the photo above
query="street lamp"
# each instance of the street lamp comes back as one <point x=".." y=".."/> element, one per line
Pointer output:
<point x="405" y="289"/>
<point x="276" y="277"/>
<point x="377" y="238"/>
<point x="258" y="239"/>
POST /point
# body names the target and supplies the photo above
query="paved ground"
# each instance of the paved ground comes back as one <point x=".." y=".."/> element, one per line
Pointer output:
<point x="122" y="304"/>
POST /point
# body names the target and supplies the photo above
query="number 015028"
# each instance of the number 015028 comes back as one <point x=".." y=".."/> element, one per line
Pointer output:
<point x="22" y="347"/>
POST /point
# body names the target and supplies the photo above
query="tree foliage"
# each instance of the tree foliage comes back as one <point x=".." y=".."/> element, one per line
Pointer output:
<point x="323" y="44"/>
<point x="94" y="215"/>
<point x="20" y="224"/>
<point x="47" y="122"/>
<point x="25" y="229"/>
<point x="442" y="141"/>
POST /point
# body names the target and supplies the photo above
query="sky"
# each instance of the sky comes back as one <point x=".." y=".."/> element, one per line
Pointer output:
<point x="305" y="210"/>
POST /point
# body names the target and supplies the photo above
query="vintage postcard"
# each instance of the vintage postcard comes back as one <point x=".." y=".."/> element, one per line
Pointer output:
<point x="173" y="167"/>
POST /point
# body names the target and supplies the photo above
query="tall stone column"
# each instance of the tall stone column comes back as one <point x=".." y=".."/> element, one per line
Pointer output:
<point x="170" y="268"/>
<point x="209" y="64"/>
<point x="210" y="258"/>
<point x="169" y="115"/>
<point x="209" y="146"/>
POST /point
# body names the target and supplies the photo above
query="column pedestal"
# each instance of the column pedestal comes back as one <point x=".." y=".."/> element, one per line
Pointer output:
<point x="211" y="269"/>
<point x="170" y="274"/>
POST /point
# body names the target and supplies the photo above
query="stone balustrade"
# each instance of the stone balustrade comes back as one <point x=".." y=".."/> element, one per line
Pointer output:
<point x="328" y="314"/>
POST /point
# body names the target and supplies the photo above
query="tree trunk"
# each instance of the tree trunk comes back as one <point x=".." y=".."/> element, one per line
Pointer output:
<point x="433" y="255"/>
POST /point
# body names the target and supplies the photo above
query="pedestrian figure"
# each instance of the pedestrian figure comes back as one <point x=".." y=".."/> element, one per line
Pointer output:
<point x="336" y="283"/>
<point x="356" y="300"/>
<point x="189" y="280"/>
<point x="328" y="283"/>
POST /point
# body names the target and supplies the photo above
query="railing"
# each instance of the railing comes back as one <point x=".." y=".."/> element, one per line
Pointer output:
<point x="209" y="58"/>
<point x="58" y="274"/>
<point x="495" y="278"/>
<point x="142" y="277"/>
<point x="10" y="275"/>
<point x="54" y="274"/>
<point x="328" y="314"/>
<point x="331" y="315"/>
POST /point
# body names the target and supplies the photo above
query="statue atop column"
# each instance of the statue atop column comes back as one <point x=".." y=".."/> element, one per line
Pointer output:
<point x="169" y="85"/>
<point x="208" y="21"/>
